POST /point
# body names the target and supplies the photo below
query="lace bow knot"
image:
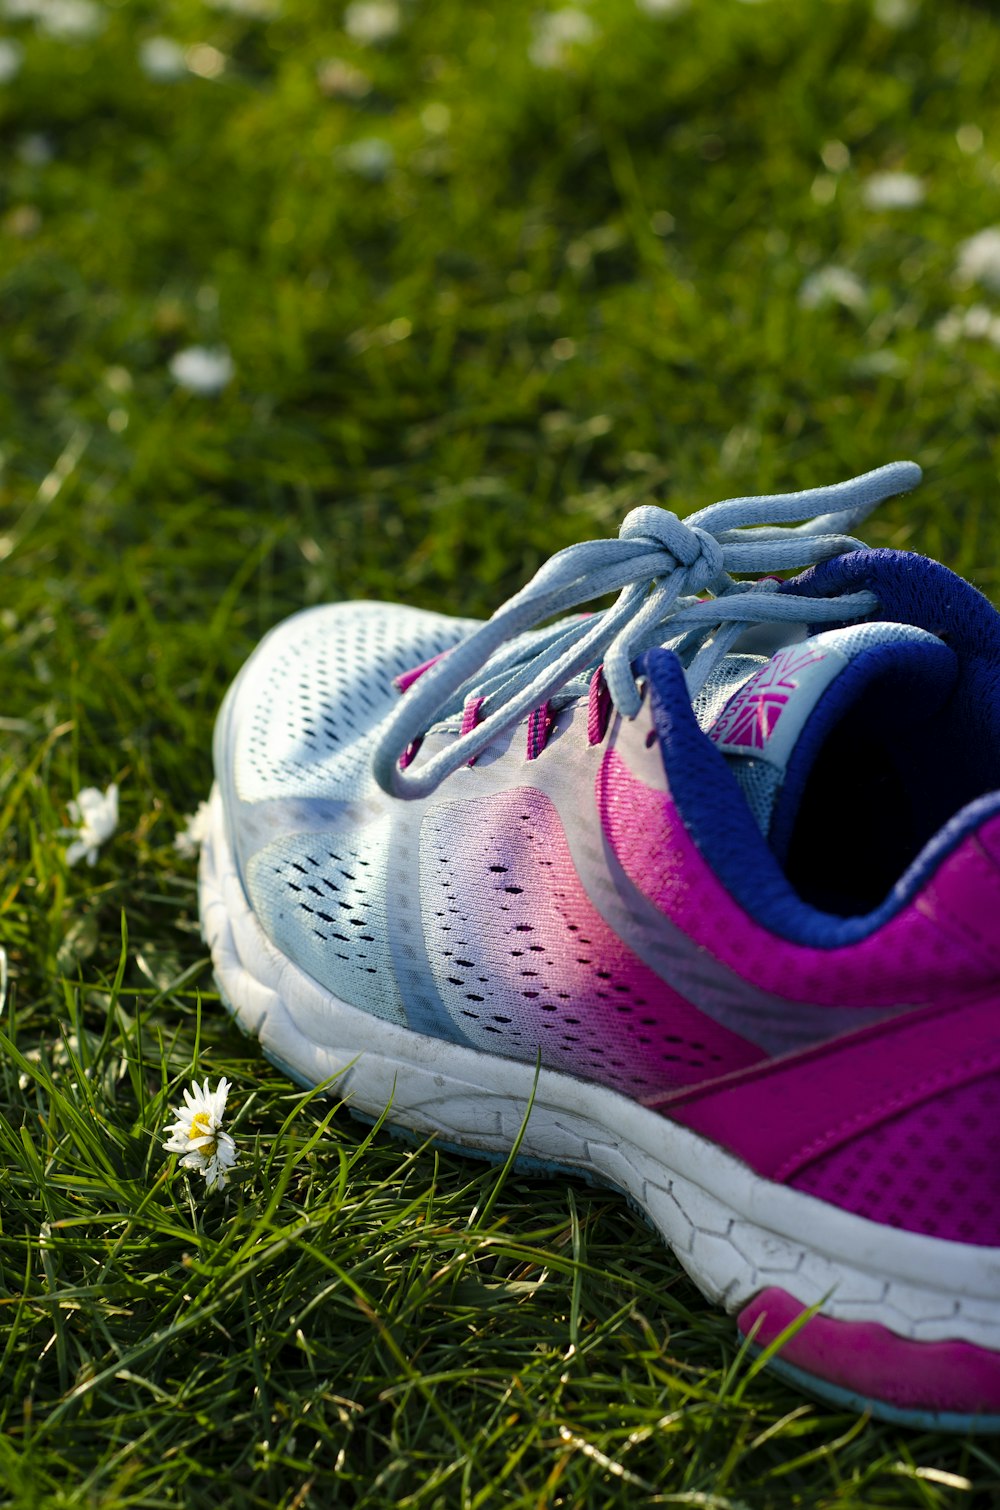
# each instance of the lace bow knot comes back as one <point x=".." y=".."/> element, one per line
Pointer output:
<point x="689" y="546"/>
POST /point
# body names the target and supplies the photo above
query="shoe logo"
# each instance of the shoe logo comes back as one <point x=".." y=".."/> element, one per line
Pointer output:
<point x="751" y="715"/>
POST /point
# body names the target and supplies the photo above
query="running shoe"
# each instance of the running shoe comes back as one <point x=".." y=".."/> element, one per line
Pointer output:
<point x="708" y="879"/>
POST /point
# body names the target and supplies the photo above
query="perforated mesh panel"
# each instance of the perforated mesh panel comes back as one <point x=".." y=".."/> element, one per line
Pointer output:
<point x="761" y="783"/>
<point x="858" y="637"/>
<point x="720" y="685"/>
<point x="322" y="901"/>
<point x="934" y="1170"/>
<point x="324" y="683"/>
<point x="524" y="962"/>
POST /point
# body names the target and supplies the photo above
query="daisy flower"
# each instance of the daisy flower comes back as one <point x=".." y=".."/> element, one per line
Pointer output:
<point x="189" y="839"/>
<point x="372" y="21"/>
<point x="162" y="59"/>
<point x="557" y="36"/>
<point x="95" y="816"/>
<point x="202" y="369"/>
<point x="10" y="60"/>
<point x="369" y="157"/>
<point x="197" y="1134"/>
<point x="893" y="191"/>
<point x="979" y="259"/>
<point x="832" y="285"/>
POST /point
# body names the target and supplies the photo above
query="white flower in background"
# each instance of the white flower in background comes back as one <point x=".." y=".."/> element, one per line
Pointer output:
<point x="979" y="259"/>
<point x="832" y="285"/>
<point x="35" y="149"/>
<point x="59" y="18"/>
<point x="189" y="839"/>
<point x="369" y="157"/>
<point x="662" y="7"/>
<point x="342" y="80"/>
<point x="371" y="21"/>
<point x="557" y="34"/>
<point x="197" y="1134"/>
<point x="162" y="59"/>
<point x="95" y="816"/>
<point x="71" y="18"/>
<point x="949" y="328"/>
<point x="893" y="191"/>
<point x="257" y="10"/>
<point x="202" y="369"/>
<point x="10" y="60"/>
<point x="206" y="61"/>
<point x="895" y="13"/>
<point x="977" y="323"/>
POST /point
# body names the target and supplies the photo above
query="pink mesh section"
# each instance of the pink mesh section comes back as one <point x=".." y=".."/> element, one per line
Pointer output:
<point x="963" y="898"/>
<point x="868" y="1359"/>
<point x="525" y="962"/>
<point x="933" y="1170"/>
<point x="784" y="1116"/>
<point x="942" y="945"/>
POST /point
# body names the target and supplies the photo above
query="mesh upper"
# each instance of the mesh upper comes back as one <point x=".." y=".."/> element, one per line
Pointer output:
<point x="524" y="962"/>
<point x="935" y="1169"/>
<point x="322" y="899"/>
<point x="324" y="686"/>
<point x="507" y="910"/>
<point x="721" y="683"/>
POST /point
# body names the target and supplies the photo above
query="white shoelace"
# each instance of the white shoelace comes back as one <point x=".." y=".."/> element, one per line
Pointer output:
<point x="658" y="565"/>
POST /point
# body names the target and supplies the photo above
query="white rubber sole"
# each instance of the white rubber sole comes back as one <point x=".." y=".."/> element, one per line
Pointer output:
<point x="734" y="1232"/>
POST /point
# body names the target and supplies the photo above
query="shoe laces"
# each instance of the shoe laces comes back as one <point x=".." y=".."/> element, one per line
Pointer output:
<point x="660" y="566"/>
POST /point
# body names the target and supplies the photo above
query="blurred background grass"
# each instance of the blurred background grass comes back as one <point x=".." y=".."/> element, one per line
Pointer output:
<point x="302" y="301"/>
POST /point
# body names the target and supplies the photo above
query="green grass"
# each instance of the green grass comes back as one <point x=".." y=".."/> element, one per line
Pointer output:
<point x="572" y="289"/>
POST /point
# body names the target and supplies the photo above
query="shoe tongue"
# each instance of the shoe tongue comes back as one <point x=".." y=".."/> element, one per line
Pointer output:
<point x="770" y="718"/>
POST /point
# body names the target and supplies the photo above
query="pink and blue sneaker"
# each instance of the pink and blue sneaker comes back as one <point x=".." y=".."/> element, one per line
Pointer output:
<point x="709" y="879"/>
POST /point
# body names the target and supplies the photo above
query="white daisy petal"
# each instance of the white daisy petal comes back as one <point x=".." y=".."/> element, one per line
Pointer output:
<point x="203" y="370"/>
<point x="369" y="157"/>
<point x="189" y="839"/>
<point x="10" y="60"/>
<point x="197" y="1133"/>
<point x="979" y="259"/>
<point x="832" y="285"/>
<point x="162" y="59"/>
<point x="558" y="35"/>
<point x="95" y="818"/>
<point x="893" y="191"/>
<point x="371" y="21"/>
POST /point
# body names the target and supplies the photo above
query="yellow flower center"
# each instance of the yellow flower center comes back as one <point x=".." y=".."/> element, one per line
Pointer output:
<point x="200" y="1128"/>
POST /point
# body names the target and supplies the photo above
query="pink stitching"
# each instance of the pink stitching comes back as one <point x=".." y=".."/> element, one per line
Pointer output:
<point x="539" y="728"/>
<point x="471" y="718"/>
<point x="598" y="708"/>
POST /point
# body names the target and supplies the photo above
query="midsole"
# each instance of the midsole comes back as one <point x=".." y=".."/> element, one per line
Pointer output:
<point x="734" y="1231"/>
